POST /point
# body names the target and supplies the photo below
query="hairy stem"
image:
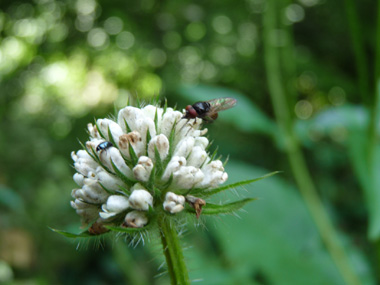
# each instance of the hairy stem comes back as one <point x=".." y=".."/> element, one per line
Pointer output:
<point x="292" y="147"/>
<point x="173" y="252"/>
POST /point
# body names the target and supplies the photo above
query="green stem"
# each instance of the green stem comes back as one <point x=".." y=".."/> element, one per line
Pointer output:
<point x="295" y="156"/>
<point x="173" y="252"/>
<point x="359" y="50"/>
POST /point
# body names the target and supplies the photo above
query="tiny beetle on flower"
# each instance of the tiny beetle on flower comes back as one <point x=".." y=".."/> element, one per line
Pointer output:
<point x="103" y="146"/>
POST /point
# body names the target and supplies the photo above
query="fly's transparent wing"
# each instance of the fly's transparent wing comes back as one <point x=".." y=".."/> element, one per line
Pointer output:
<point x="221" y="104"/>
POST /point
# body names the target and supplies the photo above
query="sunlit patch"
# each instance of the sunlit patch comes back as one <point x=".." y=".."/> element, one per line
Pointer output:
<point x="33" y="103"/>
<point x="150" y="85"/>
<point x="222" y="24"/>
<point x="55" y="73"/>
<point x="98" y="90"/>
<point x="125" y="40"/>
<point x="303" y="109"/>
<point x="13" y="48"/>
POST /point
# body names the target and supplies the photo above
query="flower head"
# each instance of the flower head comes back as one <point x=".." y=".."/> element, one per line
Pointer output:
<point x="142" y="164"/>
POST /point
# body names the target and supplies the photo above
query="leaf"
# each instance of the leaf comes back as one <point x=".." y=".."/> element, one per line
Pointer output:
<point x="125" y="229"/>
<point x="213" y="209"/>
<point x="72" y="235"/>
<point x="121" y="175"/>
<point x="233" y="185"/>
<point x="276" y="228"/>
<point x="11" y="199"/>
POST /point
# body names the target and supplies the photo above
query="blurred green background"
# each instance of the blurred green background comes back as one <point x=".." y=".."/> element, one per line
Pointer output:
<point x="304" y="74"/>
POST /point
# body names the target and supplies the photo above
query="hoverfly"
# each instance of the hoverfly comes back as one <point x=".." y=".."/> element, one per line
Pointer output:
<point x="208" y="110"/>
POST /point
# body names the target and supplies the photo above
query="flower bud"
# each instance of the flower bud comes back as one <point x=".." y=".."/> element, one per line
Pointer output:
<point x="135" y="219"/>
<point x="143" y="169"/>
<point x="187" y="176"/>
<point x="174" y="165"/>
<point x="161" y="143"/>
<point x="78" y="179"/>
<point x="174" y="203"/>
<point x="197" y="157"/>
<point x="88" y="212"/>
<point x="113" y="156"/>
<point x="184" y="147"/>
<point x="115" y="204"/>
<point x="140" y="199"/>
<point x="135" y="140"/>
<point x="168" y="120"/>
<point x="107" y="124"/>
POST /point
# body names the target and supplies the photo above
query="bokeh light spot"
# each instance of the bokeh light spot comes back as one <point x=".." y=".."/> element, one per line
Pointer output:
<point x="97" y="38"/>
<point x="295" y="13"/>
<point x="222" y="55"/>
<point x="222" y="24"/>
<point x="337" y="96"/>
<point x="303" y="109"/>
<point x="195" y="31"/>
<point x="113" y="25"/>
<point x="125" y="40"/>
<point x="157" y="57"/>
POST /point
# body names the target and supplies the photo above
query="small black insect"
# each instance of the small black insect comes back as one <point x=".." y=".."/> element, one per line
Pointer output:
<point x="103" y="146"/>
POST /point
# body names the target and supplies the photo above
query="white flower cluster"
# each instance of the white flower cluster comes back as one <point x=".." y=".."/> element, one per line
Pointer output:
<point x="137" y="163"/>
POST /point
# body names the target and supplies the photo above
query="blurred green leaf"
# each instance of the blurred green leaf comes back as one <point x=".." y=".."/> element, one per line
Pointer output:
<point x="275" y="240"/>
<point x="246" y="116"/>
<point x="10" y="199"/>
<point x="332" y="120"/>
<point x="349" y="123"/>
